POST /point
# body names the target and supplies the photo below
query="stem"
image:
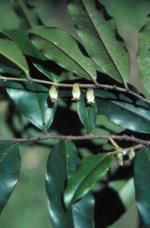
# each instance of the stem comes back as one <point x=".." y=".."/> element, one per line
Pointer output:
<point x="140" y="142"/>
<point x="65" y="85"/>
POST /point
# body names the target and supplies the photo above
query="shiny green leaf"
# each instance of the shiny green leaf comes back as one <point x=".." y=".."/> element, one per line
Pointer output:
<point x="92" y="169"/>
<point x="62" y="48"/>
<point x="61" y="163"/>
<point x="10" y="51"/>
<point x="87" y="113"/>
<point x="142" y="184"/>
<point x="10" y="163"/>
<point x="9" y="71"/>
<point x="126" y="114"/>
<point x="33" y="102"/>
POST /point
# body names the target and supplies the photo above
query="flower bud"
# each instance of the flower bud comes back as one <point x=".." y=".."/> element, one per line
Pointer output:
<point x="90" y="96"/>
<point x="76" y="93"/>
<point x="120" y="158"/>
<point x="53" y="93"/>
<point x="131" y="154"/>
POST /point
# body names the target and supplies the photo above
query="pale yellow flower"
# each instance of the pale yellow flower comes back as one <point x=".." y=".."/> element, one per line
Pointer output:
<point x="90" y="97"/>
<point x="53" y="93"/>
<point x="76" y="93"/>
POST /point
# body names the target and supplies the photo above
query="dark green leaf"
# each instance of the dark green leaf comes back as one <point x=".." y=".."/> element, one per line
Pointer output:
<point x="11" y="52"/>
<point x="10" y="163"/>
<point x="61" y="163"/>
<point x="51" y="76"/>
<point x="9" y="71"/>
<point x="20" y="37"/>
<point x="126" y="114"/>
<point x="92" y="169"/>
<point x="33" y="101"/>
<point x="62" y="48"/>
<point x="87" y="113"/>
<point x="142" y="184"/>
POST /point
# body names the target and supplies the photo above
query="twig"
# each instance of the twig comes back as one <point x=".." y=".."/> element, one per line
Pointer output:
<point x="67" y="85"/>
<point x="133" y="139"/>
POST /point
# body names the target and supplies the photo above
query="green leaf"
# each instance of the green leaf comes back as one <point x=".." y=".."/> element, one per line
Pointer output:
<point x="144" y="56"/>
<point x="9" y="70"/>
<point x="20" y="37"/>
<point x="10" y="163"/>
<point x="32" y="101"/>
<point x="10" y="51"/>
<point x="51" y="76"/>
<point x="107" y="36"/>
<point x="28" y="13"/>
<point x="135" y="117"/>
<point x="92" y="169"/>
<point x="142" y="184"/>
<point x="61" y="163"/>
<point x="53" y="14"/>
<point x="9" y="19"/>
<point x="87" y="113"/>
<point x="129" y="25"/>
<point x="62" y="48"/>
<point x="92" y="42"/>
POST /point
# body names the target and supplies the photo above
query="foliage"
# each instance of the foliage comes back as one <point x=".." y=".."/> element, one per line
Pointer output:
<point x="75" y="75"/>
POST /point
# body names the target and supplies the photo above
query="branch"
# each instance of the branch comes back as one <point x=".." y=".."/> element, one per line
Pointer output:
<point x="66" y="85"/>
<point x="140" y="142"/>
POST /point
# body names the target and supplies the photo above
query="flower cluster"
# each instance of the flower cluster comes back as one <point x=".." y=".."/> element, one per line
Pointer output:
<point x="76" y="94"/>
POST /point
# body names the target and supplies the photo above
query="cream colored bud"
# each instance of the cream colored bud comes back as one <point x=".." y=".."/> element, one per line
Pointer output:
<point x="120" y="159"/>
<point x="53" y="93"/>
<point x="90" y="97"/>
<point x="131" y="154"/>
<point x="76" y="93"/>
